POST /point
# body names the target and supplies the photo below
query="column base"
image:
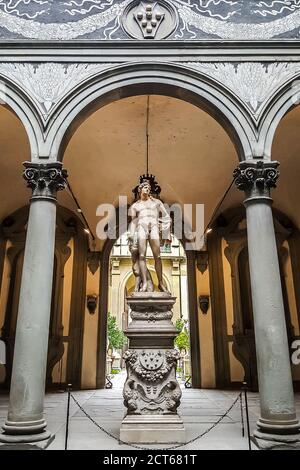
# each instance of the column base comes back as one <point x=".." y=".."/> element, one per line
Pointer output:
<point x="265" y="441"/>
<point x="275" y="434"/>
<point x="26" y="432"/>
<point x="26" y="442"/>
<point x="153" y="429"/>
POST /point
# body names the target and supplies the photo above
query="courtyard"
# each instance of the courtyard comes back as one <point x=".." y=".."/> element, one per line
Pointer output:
<point x="200" y="409"/>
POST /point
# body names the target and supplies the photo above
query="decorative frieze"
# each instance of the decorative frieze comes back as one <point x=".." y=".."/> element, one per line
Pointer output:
<point x="151" y="317"/>
<point x="103" y="24"/>
<point x="113" y="19"/>
<point x="253" y="83"/>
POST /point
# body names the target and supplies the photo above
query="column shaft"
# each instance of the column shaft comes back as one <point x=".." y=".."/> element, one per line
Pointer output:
<point x="274" y="370"/>
<point x="25" y="421"/>
<point x="278" y="425"/>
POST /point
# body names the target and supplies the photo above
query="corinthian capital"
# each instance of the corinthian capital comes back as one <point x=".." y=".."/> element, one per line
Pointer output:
<point x="45" y="179"/>
<point x="256" y="178"/>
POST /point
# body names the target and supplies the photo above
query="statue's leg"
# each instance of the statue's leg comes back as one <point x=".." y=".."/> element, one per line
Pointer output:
<point x="150" y="284"/>
<point x="136" y="268"/>
<point x="136" y="272"/>
<point x="155" y="247"/>
<point x="142" y="244"/>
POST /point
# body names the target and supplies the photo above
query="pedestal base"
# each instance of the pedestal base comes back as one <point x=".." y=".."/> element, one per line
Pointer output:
<point x="266" y="441"/>
<point x="151" y="391"/>
<point x="152" y="429"/>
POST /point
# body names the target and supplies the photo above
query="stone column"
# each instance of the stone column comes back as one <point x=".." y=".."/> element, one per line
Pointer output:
<point x="277" y="426"/>
<point x="25" y="422"/>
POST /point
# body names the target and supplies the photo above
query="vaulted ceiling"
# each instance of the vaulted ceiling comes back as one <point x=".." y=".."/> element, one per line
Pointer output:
<point x="189" y="152"/>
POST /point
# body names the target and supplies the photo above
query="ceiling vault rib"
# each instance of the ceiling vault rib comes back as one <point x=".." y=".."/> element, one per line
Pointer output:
<point x="80" y="211"/>
<point x="218" y="206"/>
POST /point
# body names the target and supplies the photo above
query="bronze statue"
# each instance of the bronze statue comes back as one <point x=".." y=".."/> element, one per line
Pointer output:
<point x="150" y="222"/>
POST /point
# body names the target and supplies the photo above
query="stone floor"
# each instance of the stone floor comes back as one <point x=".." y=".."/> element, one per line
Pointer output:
<point x="199" y="410"/>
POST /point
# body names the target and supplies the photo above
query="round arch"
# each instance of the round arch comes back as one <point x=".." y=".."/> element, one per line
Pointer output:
<point x="69" y="343"/>
<point x="230" y="226"/>
<point x="175" y="81"/>
<point x="15" y="99"/>
<point x="281" y="104"/>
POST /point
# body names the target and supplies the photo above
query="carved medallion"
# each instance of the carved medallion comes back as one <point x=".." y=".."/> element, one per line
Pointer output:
<point x="151" y="360"/>
<point x="149" y="19"/>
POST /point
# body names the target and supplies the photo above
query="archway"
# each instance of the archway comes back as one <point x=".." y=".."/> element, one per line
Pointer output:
<point x="284" y="102"/>
<point x="15" y="149"/>
<point x="68" y="295"/>
<point x="119" y="82"/>
<point x="122" y="284"/>
<point x="14" y="99"/>
<point x="198" y="155"/>
<point x="232" y="307"/>
<point x="285" y="149"/>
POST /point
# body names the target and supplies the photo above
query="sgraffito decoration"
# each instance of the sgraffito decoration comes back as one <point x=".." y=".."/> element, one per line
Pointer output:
<point x="131" y="19"/>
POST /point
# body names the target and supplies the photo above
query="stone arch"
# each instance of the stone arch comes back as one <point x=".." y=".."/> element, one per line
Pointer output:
<point x="231" y="227"/>
<point x="12" y="97"/>
<point x="152" y="78"/>
<point x="68" y="227"/>
<point x="281" y="104"/>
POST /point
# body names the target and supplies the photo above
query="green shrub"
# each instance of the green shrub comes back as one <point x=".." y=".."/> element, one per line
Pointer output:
<point x="182" y="341"/>
<point x="116" y="337"/>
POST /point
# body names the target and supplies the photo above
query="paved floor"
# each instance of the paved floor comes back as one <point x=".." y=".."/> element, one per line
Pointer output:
<point x="200" y="409"/>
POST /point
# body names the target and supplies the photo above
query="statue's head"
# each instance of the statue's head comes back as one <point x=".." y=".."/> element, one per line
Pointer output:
<point x="144" y="188"/>
<point x="151" y="187"/>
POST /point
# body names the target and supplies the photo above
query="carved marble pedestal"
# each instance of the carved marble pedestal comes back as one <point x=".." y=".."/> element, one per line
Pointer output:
<point x="151" y="391"/>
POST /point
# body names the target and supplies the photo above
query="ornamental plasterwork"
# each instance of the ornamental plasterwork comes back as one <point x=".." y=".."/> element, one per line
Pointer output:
<point x="108" y="21"/>
<point x="105" y="19"/>
<point x="223" y="27"/>
<point x="48" y="83"/>
<point x="252" y="82"/>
